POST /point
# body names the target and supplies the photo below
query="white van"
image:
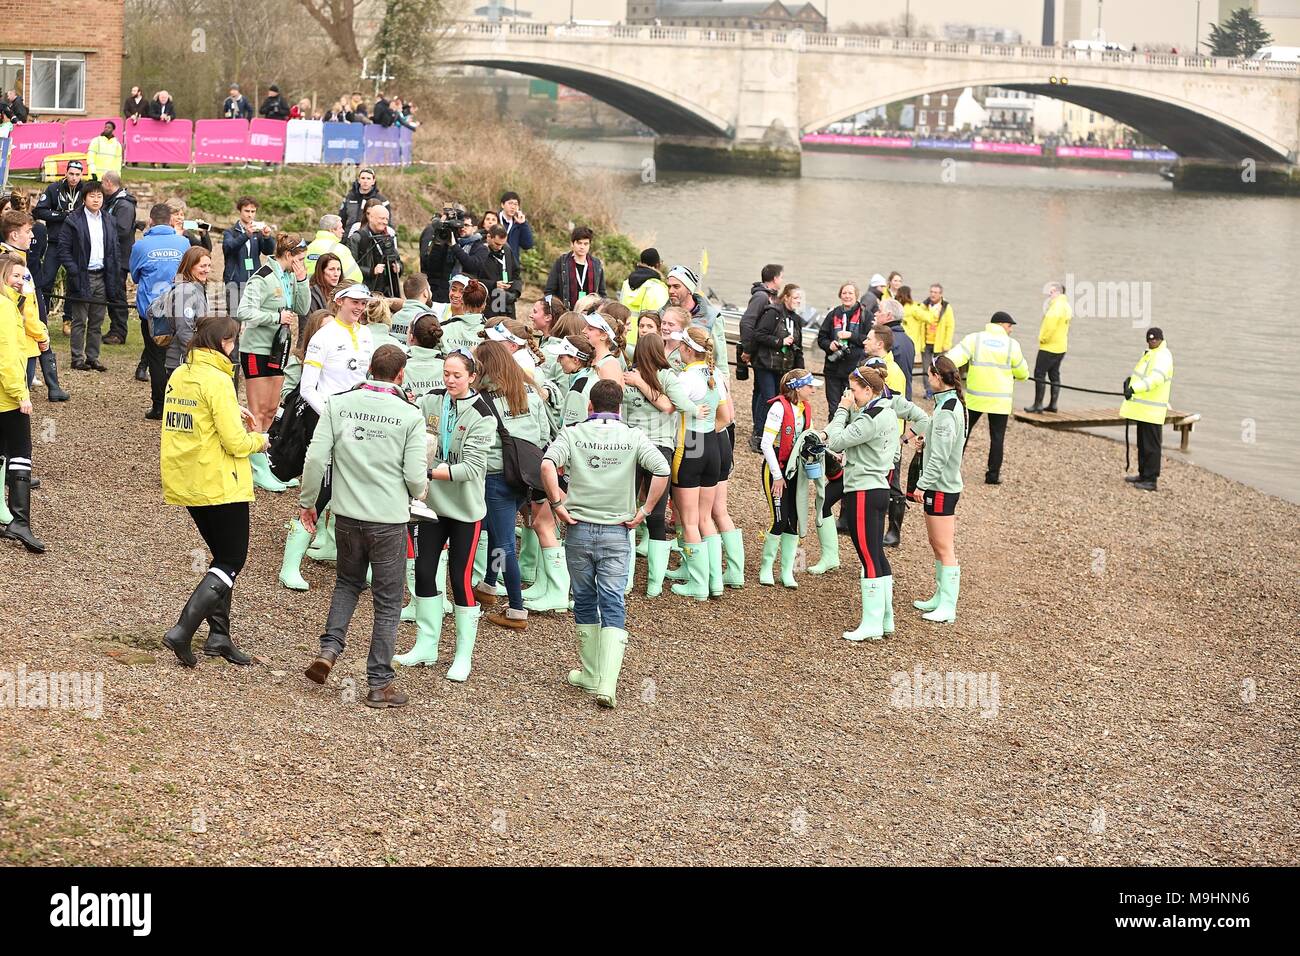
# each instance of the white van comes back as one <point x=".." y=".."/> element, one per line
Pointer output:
<point x="1278" y="54"/>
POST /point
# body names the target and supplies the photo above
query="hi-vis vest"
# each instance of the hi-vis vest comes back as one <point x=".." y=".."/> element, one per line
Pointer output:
<point x="1151" y="381"/>
<point x="995" y="362"/>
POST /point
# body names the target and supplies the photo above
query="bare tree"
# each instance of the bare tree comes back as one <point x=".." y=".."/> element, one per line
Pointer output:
<point x="335" y="17"/>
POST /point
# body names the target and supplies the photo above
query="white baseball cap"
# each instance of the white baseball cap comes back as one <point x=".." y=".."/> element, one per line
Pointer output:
<point x="355" y="291"/>
<point x="460" y="278"/>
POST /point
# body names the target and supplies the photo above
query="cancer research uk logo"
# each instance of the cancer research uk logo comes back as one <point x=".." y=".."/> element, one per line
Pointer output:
<point x="76" y="909"/>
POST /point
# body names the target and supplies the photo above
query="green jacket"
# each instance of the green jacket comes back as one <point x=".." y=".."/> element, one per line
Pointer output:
<point x="404" y="317"/>
<point x="260" y="305"/>
<point x="374" y="439"/>
<point x="533" y="425"/>
<point x="462" y="331"/>
<point x="869" y="439"/>
<point x="600" y="456"/>
<point x="945" y="438"/>
<point x="383" y="335"/>
<point x="574" y="403"/>
<point x="462" y="498"/>
<point x="423" y="371"/>
<point x="659" y="427"/>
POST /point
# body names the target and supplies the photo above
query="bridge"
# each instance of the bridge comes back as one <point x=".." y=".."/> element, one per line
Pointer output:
<point x="740" y="100"/>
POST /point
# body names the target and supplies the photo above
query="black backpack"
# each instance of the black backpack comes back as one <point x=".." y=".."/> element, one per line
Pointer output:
<point x="290" y="435"/>
<point x="521" y="460"/>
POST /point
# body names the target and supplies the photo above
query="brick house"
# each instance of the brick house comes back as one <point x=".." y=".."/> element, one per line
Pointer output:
<point x="63" y="56"/>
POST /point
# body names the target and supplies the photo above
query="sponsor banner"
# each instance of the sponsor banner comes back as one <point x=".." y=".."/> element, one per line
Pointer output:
<point x="303" y="141"/>
<point x="77" y="134"/>
<point x="1012" y="149"/>
<point x="945" y="144"/>
<point x="383" y="146"/>
<point x="1093" y="152"/>
<point x="844" y="139"/>
<point x="153" y="141"/>
<point x="220" y="140"/>
<point x="406" y="139"/>
<point x="1158" y="155"/>
<point x="266" y="139"/>
<point x="343" y="143"/>
<point x="30" y="143"/>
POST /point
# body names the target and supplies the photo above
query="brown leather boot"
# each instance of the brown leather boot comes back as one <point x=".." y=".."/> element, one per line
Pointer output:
<point x="509" y="618"/>
<point x="485" y="595"/>
<point x="320" y="668"/>
<point x="388" y="696"/>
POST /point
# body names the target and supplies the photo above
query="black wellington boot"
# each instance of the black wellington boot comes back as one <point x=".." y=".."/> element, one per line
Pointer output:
<point x="50" y="372"/>
<point x="20" y="506"/>
<point x="894" y="531"/>
<point x="209" y="594"/>
<point x="1056" y="393"/>
<point x="219" y="643"/>
<point x="1038" y="398"/>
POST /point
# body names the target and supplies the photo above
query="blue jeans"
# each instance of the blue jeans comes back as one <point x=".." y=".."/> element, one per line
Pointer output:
<point x="766" y="384"/>
<point x="597" y="556"/>
<point x="502" y="505"/>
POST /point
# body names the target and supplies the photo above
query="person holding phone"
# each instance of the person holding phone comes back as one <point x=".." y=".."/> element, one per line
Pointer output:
<point x="519" y="234"/>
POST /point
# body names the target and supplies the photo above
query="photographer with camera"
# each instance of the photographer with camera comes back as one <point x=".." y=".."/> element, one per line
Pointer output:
<point x="374" y="247"/>
<point x="841" y="337"/>
<point x="494" y="263"/>
<point x="438" y="261"/>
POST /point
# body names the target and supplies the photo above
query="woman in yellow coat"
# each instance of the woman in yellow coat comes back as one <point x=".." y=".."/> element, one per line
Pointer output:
<point x="15" y="409"/>
<point x="205" y="467"/>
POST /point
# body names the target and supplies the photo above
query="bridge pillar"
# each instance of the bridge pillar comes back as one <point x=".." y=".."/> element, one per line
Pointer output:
<point x="765" y="138"/>
<point x="1244" y="176"/>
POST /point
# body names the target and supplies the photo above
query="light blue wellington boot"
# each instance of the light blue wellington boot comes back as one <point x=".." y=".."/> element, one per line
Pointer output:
<point x="466" y="634"/>
<point x="949" y="588"/>
<point x="429" y="613"/>
<point x="873" y="612"/>
<point x="295" y="546"/>
<point x="588" y="677"/>
<point x="733" y="547"/>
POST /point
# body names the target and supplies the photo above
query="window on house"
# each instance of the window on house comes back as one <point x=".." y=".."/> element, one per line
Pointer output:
<point x="58" y="81"/>
<point x="925" y="100"/>
<point x="11" y="72"/>
<point x="943" y="118"/>
<point x="921" y="116"/>
<point x="943" y="100"/>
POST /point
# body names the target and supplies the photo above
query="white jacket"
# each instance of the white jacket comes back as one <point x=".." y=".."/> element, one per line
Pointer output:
<point x="338" y="357"/>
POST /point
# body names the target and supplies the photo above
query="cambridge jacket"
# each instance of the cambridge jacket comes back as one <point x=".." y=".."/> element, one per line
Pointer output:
<point x="869" y="439"/>
<point x="945" y="438"/>
<point x="374" y="439"/>
<point x="462" y="498"/>
<point x="205" y="448"/>
<point x="533" y="425"/>
<point x="260" y="305"/>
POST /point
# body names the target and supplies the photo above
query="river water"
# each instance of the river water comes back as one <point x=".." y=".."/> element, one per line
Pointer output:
<point x="1216" y="273"/>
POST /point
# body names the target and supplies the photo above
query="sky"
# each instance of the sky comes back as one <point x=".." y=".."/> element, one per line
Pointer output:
<point x="1123" y="21"/>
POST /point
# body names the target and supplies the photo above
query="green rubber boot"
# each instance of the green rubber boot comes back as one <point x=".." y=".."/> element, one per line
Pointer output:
<point x="771" y="545"/>
<point x="933" y="601"/>
<point x="789" y="551"/>
<point x="873" y="611"/>
<point x="322" y="546"/>
<point x="642" y="539"/>
<point x="480" y="560"/>
<point x="428" y="618"/>
<point x="588" y="677"/>
<point x="555" y="597"/>
<point x="295" y="546"/>
<point x="631" y="562"/>
<point x="262" y="476"/>
<point x="678" y="573"/>
<point x="888" y="624"/>
<point x="713" y="547"/>
<point x="656" y="563"/>
<point x="733" y="546"/>
<point x="408" y="612"/>
<point x="466" y="633"/>
<point x="530" y="555"/>
<point x="829" y="539"/>
<point x="6" y="516"/>
<point x="949" y="588"/>
<point x="612" y="644"/>
<point x="696" y="558"/>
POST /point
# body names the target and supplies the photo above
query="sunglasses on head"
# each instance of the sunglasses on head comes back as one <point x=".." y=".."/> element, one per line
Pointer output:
<point x="302" y="244"/>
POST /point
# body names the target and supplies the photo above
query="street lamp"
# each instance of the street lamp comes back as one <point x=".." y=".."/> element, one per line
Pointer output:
<point x="1196" y="40"/>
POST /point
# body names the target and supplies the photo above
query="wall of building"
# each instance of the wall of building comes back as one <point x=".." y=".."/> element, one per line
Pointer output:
<point x="90" y="27"/>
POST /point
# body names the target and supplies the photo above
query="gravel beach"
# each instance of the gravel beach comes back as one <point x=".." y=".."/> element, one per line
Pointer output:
<point x="1143" y="647"/>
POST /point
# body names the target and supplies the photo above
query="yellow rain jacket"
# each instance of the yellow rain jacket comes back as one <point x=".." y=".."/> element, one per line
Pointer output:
<point x="205" y="448"/>
<point x="34" y="329"/>
<point x="1054" y="331"/>
<point x="1151" y="381"/>
<point x="13" y="363"/>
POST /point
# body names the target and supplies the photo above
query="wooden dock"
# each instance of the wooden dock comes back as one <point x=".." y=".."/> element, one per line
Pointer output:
<point x="1104" y="417"/>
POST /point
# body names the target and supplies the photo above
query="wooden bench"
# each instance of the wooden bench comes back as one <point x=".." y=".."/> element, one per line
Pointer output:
<point x="1104" y="417"/>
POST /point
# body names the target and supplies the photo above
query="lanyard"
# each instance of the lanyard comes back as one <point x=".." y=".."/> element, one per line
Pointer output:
<point x="581" y="273"/>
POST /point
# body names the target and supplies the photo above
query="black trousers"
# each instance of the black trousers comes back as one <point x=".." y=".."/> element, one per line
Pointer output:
<point x="461" y="538"/>
<point x="864" y="513"/>
<point x="655" y="521"/>
<point x="834" y="392"/>
<point x="784" y="510"/>
<point x="1149" y="439"/>
<point x="155" y="359"/>
<point x="1048" y="365"/>
<point x="997" y="434"/>
<point x="225" y="531"/>
<point x="118" y="311"/>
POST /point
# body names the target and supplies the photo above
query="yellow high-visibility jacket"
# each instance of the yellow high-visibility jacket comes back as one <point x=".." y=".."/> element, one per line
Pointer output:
<point x="1055" y="330"/>
<point x="13" y="363"/>
<point x="995" y="363"/>
<point x="205" y="448"/>
<point x="1151" y="381"/>
<point x="104" y="155"/>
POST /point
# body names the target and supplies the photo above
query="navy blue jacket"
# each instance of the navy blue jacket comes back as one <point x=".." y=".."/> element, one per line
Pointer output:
<point x="74" y="252"/>
<point x="236" y="246"/>
<point x="519" y="236"/>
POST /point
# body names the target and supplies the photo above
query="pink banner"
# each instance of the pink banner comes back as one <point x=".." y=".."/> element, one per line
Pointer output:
<point x="842" y="139"/>
<point x="77" y="134"/>
<point x="30" y="143"/>
<point x="153" y="141"/>
<point x="266" y="140"/>
<point x="220" y="141"/>
<point x="1015" y="149"/>
<point x="1094" y="152"/>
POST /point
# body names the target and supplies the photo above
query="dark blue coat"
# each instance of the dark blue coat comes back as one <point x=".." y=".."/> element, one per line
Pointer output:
<point x="74" y="252"/>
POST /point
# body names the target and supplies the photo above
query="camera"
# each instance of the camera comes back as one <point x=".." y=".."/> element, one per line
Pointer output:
<point x="447" y="227"/>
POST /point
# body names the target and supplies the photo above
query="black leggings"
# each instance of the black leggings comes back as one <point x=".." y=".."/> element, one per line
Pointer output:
<point x="16" y="440"/>
<point x="786" y="519"/>
<point x="225" y="531"/>
<point x="428" y="539"/>
<point x="834" y="492"/>
<point x="655" y="520"/>
<point x="864" y="513"/>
